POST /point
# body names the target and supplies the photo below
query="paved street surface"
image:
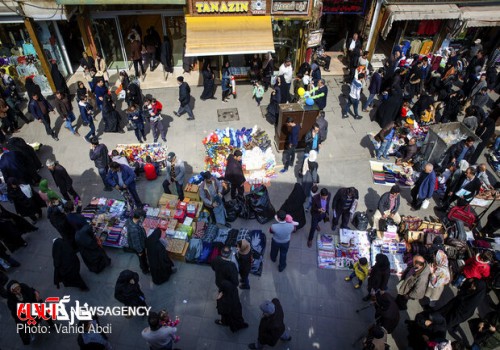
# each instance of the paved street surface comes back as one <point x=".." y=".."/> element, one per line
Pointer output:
<point x="319" y="306"/>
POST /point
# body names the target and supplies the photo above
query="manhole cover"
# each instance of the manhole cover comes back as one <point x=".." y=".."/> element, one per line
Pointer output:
<point x="228" y="114"/>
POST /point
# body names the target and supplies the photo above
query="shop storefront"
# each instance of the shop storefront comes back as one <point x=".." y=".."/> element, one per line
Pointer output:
<point x="237" y="30"/>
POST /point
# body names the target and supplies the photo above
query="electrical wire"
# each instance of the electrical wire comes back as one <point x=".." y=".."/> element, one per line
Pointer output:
<point x="59" y="8"/>
<point x="8" y="7"/>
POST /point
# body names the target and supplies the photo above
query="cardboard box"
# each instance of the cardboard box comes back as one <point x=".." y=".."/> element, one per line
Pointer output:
<point x="191" y="192"/>
<point x="180" y="256"/>
<point x="165" y="198"/>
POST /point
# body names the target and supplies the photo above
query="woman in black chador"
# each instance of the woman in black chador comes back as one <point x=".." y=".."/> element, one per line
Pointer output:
<point x="160" y="265"/>
<point x="93" y="254"/>
<point x="208" y="83"/>
<point x="66" y="265"/>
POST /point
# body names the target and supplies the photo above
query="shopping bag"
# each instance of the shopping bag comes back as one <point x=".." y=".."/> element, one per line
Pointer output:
<point x="464" y="214"/>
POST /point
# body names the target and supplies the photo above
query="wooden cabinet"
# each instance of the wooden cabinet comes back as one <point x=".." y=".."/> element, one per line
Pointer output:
<point x="304" y="116"/>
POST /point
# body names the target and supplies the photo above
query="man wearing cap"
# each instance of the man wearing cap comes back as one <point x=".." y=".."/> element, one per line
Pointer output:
<point x="282" y="232"/>
<point x="184" y="99"/>
<point x="271" y="326"/>
<point x="175" y="173"/>
<point x="122" y="178"/>
<point x="388" y="206"/>
<point x="286" y="71"/>
<point x="62" y="179"/>
<point x="136" y="238"/>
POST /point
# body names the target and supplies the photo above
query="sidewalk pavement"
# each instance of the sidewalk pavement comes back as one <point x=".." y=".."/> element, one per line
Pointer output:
<point x="319" y="306"/>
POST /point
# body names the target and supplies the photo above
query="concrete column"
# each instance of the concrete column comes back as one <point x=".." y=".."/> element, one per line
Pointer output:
<point x="87" y="36"/>
<point x="30" y="27"/>
<point x="63" y="47"/>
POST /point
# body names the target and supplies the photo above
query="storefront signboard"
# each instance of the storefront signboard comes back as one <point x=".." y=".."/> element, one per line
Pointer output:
<point x="254" y="7"/>
<point x="351" y="7"/>
<point x="293" y="7"/>
<point x="314" y="38"/>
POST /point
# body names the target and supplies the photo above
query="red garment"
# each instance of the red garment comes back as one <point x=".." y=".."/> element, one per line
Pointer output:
<point x="430" y="27"/>
<point x="476" y="269"/>
<point x="150" y="171"/>
<point x="156" y="108"/>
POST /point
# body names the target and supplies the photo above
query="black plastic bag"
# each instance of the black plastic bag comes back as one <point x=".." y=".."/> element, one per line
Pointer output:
<point x="360" y="221"/>
<point x="245" y="213"/>
<point x="233" y="209"/>
<point x="260" y="204"/>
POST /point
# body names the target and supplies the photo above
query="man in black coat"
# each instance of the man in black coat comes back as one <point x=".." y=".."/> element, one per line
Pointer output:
<point x="234" y="173"/>
<point x="99" y="154"/>
<point x="225" y="269"/>
<point x="62" y="179"/>
<point x="184" y="99"/>
<point x="462" y="150"/>
<point x="342" y="204"/>
<point x="320" y="210"/>
<point x="271" y="326"/>
<point x="463" y="190"/>
<point x="485" y="131"/>
<point x="136" y="237"/>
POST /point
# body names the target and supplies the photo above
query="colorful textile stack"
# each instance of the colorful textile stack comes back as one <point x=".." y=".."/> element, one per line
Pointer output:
<point x="138" y="152"/>
<point x="389" y="174"/>
<point x="258" y="158"/>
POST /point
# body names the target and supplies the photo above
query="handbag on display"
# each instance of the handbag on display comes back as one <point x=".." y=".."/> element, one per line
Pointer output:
<point x="464" y="214"/>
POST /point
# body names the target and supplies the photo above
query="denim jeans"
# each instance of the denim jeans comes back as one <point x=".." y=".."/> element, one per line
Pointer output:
<point x="92" y="129"/>
<point x="102" y="173"/>
<point x="283" y="249"/>
<point x="369" y="101"/>
<point x="497" y="143"/>
<point x="70" y="118"/>
<point x="351" y="101"/>
<point x="383" y="149"/>
<point x="186" y="109"/>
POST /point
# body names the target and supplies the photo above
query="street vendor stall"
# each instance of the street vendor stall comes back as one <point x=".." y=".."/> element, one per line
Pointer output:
<point x="137" y="152"/>
<point x="258" y="158"/>
<point x="441" y="137"/>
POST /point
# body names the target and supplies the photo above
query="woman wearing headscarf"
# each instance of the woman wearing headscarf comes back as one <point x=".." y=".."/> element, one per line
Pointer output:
<point x="294" y="205"/>
<point x="17" y="144"/>
<point x="58" y="78"/>
<point x="389" y="109"/>
<point x="22" y="293"/>
<point x="66" y="265"/>
<point x="226" y="81"/>
<point x="110" y="115"/>
<point x="310" y="172"/>
<point x="26" y="201"/>
<point x="273" y="109"/>
<point x="244" y="259"/>
<point x="32" y="88"/>
<point x="13" y="227"/>
<point x="440" y="272"/>
<point x="160" y="265"/>
<point x="229" y="307"/>
<point x="379" y="276"/>
<point x="208" y="82"/>
<point x="59" y="220"/>
<point x="127" y="289"/>
<point x="453" y="103"/>
<point x="267" y="70"/>
<point x="93" y="254"/>
<point x="464" y="304"/>
<point x="90" y="339"/>
<point x="74" y="216"/>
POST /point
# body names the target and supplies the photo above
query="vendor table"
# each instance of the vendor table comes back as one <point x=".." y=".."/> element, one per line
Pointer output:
<point x="305" y="116"/>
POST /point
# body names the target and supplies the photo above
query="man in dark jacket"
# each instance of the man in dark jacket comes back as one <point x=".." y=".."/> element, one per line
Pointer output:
<point x="62" y="179"/>
<point x="388" y="206"/>
<point x="136" y="237"/>
<point x="374" y="88"/>
<point x="225" y="269"/>
<point x="271" y="326"/>
<point x="343" y="204"/>
<point x="323" y="126"/>
<point x="122" y="177"/>
<point x="175" y="174"/>
<point x="312" y="139"/>
<point x="319" y="94"/>
<point x="424" y="187"/>
<point x="461" y="150"/>
<point x="485" y="131"/>
<point x="406" y="153"/>
<point x="184" y="99"/>
<point x="65" y="110"/>
<point x="40" y="109"/>
<point x="463" y="190"/>
<point x="320" y="210"/>
<point x="99" y="154"/>
<point x="291" y="145"/>
<point x="234" y="174"/>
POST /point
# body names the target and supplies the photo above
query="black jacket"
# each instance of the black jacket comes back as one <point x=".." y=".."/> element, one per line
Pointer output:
<point x="61" y="178"/>
<point x="309" y="142"/>
<point x="455" y="151"/>
<point x="184" y="94"/>
<point x="385" y="203"/>
<point x="473" y="187"/>
<point x="380" y="273"/>
<point x="100" y="156"/>
<point x="316" y="204"/>
<point x="272" y="327"/>
<point x="127" y="293"/>
<point x="224" y="270"/>
<point x="234" y="171"/>
<point x="341" y="196"/>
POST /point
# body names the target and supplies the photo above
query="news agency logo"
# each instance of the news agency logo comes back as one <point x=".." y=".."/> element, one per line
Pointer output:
<point x="54" y="308"/>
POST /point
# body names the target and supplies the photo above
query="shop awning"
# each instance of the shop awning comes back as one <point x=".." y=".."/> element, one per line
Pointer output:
<point x="121" y="2"/>
<point x="419" y="13"/>
<point x="481" y="16"/>
<point x="228" y="35"/>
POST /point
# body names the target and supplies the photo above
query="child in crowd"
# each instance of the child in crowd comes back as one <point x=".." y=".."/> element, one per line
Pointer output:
<point x="154" y="108"/>
<point x="427" y="116"/>
<point x="258" y="92"/>
<point x="314" y="191"/>
<point x="360" y="271"/>
<point x="475" y="267"/>
<point x="165" y="321"/>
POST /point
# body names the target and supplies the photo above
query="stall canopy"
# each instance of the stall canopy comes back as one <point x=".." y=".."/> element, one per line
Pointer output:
<point x="481" y="16"/>
<point x="228" y="35"/>
<point x="418" y="13"/>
